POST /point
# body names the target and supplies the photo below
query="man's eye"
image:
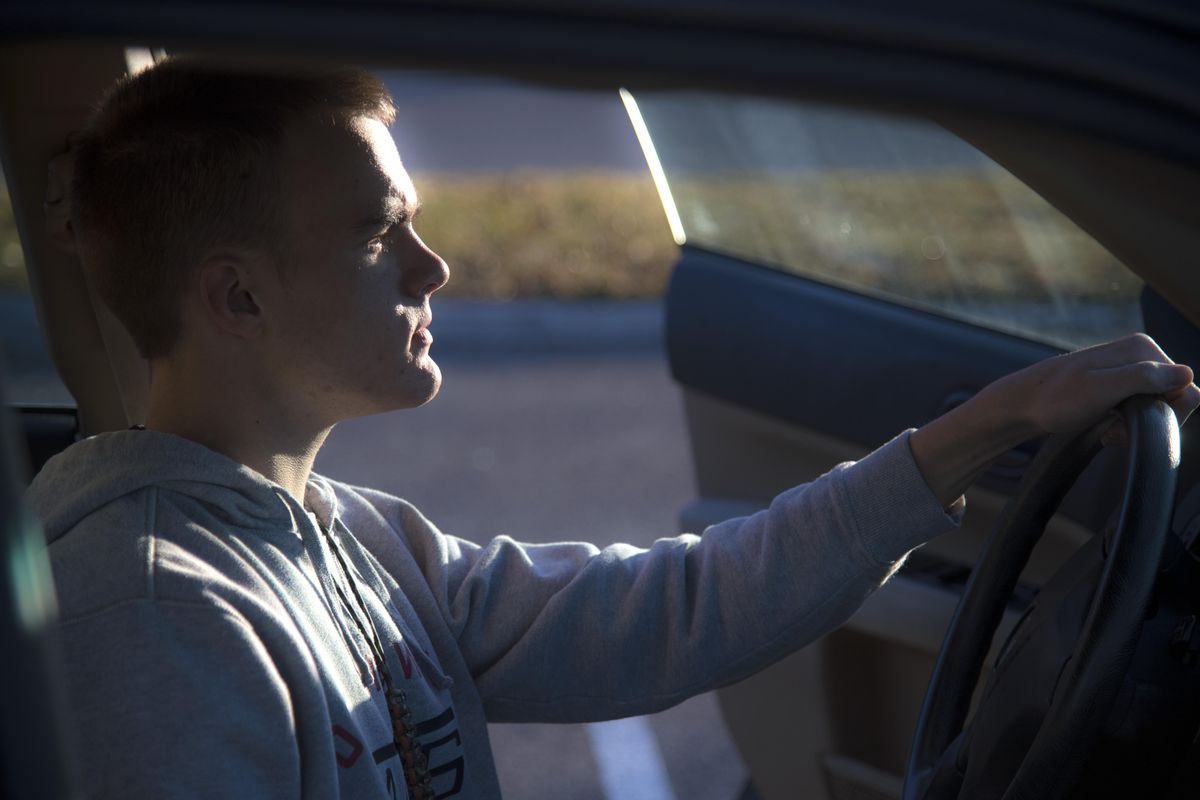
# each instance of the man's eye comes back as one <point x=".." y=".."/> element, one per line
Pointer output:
<point x="378" y="244"/>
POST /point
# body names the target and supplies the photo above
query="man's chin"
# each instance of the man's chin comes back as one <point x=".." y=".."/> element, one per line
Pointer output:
<point x="433" y="391"/>
<point x="415" y="389"/>
<point x="430" y="386"/>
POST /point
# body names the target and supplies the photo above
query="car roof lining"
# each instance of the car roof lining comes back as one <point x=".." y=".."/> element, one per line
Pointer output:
<point x="1141" y="207"/>
<point x="1135" y="73"/>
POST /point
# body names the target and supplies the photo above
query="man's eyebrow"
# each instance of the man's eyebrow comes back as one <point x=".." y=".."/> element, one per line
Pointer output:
<point x="396" y="210"/>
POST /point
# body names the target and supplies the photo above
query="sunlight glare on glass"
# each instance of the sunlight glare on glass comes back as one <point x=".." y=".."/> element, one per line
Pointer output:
<point x="30" y="579"/>
<point x="140" y="58"/>
<point x="656" y="169"/>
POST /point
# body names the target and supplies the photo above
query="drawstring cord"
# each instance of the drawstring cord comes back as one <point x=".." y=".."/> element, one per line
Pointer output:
<point x="412" y="755"/>
<point x="408" y="746"/>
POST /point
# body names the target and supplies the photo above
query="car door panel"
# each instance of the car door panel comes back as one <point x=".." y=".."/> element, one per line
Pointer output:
<point x="783" y="377"/>
<point x="719" y="308"/>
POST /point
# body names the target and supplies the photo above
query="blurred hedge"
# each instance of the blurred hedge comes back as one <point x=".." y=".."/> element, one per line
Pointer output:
<point x="548" y="234"/>
<point x="940" y="235"/>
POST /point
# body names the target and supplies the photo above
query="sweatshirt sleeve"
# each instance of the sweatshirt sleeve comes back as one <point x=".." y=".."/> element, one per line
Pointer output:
<point x="178" y="700"/>
<point x="568" y="632"/>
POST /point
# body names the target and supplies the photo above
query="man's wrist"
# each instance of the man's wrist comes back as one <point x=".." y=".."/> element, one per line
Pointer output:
<point x="953" y="449"/>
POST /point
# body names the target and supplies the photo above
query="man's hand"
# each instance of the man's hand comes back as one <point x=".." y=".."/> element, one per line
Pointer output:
<point x="1065" y="394"/>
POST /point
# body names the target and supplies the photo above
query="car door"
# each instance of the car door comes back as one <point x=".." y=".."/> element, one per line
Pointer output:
<point x="846" y="275"/>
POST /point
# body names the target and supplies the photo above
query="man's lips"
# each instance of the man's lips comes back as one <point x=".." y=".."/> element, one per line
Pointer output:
<point x="422" y="335"/>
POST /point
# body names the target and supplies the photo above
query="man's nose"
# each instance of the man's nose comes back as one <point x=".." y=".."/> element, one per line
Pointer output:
<point x="430" y="275"/>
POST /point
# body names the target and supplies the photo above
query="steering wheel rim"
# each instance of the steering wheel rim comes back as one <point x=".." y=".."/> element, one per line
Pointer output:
<point x="1105" y="645"/>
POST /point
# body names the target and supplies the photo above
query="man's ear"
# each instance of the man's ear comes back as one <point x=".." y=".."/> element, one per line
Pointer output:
<point x="229" y="295"/>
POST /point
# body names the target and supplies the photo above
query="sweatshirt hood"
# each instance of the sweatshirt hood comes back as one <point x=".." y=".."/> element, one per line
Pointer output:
<point x="96" y="471"/>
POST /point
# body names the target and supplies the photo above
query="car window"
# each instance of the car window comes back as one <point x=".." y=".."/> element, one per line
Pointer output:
<point x="891" y="207"/>
<point x="29" y="374"/>
<point x="529" y="192"/>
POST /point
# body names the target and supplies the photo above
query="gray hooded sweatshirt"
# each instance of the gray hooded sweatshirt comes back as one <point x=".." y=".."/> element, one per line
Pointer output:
<point x="211" y="649"/>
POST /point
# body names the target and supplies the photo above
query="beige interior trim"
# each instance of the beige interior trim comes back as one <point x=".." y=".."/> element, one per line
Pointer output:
<point x="46" y="94"/>
<point x="131" y="372"/>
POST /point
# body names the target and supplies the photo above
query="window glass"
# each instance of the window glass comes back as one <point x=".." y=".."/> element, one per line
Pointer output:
<point x="531" y="192"/>
<point x="891" y="207"/>
<point x="29" y="376"/>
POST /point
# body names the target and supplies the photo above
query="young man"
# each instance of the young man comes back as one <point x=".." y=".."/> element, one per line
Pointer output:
<point x="235" y="626"/>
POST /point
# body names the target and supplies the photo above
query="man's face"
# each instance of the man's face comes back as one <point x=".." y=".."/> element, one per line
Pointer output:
<point x="350" y="330"/>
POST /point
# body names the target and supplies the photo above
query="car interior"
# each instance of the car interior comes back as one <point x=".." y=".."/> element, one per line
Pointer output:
<point x="1051" y="647"/>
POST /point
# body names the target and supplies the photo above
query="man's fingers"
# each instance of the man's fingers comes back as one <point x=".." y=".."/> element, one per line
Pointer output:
<point x="1171" y="377"/>
<point x="1145" y="377"/>
<point x="1074" y="389"/>
<point x="1138" y="347"/>
<point x="1158" y="374"/>
<point x="1146" y="349"/>
<point x="1184" y="401"/>
<point x="1171" y="382"/>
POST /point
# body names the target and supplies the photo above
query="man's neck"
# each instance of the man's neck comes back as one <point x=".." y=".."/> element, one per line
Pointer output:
<point x="240" y="421"/>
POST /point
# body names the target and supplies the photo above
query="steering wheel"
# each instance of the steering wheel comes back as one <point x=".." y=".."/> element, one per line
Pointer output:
<point x="1088" y="683"/>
